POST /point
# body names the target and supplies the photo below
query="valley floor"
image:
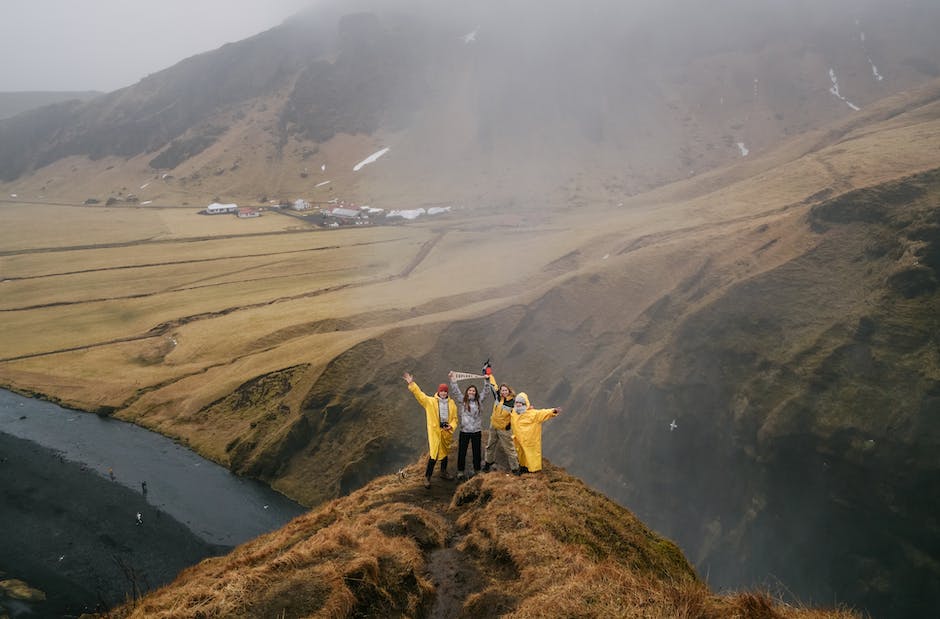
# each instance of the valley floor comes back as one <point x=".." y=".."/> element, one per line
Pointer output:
<point x="72" y="535"/>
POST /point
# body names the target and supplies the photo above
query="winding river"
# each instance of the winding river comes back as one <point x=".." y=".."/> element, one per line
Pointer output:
<point x="76" y="485"/>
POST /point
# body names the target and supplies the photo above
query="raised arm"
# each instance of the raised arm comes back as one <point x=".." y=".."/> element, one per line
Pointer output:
<point x="419" y="395"/>
<point x="454" y="387"/>
<point x="484" y="389"/>
<point x="493" y="386"/>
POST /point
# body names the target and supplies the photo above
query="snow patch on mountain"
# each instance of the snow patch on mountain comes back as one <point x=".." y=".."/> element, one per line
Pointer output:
<point x="370" y="159"/>
<point x="835" y="90"/>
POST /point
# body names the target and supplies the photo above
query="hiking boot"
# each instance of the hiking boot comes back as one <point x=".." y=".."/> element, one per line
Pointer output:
<point x="523" y="470"/>
<point x="446" y="475"/>
<point x="516" y="472"/>
<point x="427" y="482"/>
<point x="460" y="476"/>
<point x="486" y="467"/>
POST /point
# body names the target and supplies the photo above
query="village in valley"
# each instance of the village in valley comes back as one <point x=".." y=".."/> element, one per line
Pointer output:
<point x="332" y="214"/>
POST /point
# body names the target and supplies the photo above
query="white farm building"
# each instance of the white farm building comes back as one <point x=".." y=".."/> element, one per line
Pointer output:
<point x="344" y="213"/>
<point x="217" y="209"/>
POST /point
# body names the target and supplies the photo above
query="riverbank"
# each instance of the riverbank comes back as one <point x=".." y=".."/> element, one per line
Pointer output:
<point x="220" y="507"/>
<point x="74" y="534"/>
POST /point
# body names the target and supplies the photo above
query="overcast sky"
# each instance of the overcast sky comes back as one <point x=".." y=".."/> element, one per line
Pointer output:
<point x="108" y="44"/>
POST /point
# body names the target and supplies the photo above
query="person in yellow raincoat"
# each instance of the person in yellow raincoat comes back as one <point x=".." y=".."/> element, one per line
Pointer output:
<point x="441" y="412"/>
<point x="527" y="432"/>
<point x="500" y="434"/>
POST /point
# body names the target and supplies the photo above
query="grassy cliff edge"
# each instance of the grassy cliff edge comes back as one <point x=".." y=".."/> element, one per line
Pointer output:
<point x="541" y="545"/>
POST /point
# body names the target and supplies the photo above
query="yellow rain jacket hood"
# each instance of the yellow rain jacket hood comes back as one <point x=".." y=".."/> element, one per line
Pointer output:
<point x="439" y="439"/>
<point x="527" y="433"/>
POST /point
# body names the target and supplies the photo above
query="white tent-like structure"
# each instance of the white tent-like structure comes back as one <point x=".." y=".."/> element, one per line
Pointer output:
<point x="216" y="208"/>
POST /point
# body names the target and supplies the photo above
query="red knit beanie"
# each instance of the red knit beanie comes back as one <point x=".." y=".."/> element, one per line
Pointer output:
<point x="442" y="387"/>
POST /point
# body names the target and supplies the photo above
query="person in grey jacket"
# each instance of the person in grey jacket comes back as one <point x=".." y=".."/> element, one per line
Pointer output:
<point x="470" y="410"/>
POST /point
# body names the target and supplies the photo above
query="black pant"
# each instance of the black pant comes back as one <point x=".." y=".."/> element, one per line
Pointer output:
<point x="430" y="468"/>
<point x="474" y="439"/>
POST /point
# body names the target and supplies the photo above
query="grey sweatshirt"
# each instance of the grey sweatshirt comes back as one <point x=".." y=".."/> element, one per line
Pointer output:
<point x="472" y="420"/>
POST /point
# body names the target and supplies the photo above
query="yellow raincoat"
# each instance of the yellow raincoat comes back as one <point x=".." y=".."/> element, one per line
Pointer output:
<point x="438" y="438"/>
<point x="527" y="433"/>
<point x="501" y="413"/>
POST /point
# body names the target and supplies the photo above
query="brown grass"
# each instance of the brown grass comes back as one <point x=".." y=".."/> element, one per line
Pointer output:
<point x="330" y="563"/>
<point x="564" y="550"/>
<point x="545" y="545"/>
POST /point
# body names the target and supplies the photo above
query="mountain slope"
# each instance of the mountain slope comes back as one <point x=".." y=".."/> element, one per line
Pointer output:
<point x="539" y="546"/>
<point x="479" y="102"/>
<point x="806" y="393"/>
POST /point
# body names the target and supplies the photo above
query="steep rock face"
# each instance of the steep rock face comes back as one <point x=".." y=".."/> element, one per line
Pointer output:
<point x="804" y="399"/>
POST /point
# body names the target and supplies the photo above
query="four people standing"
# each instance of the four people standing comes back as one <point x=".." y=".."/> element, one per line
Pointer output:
<point x="515" y="427"/>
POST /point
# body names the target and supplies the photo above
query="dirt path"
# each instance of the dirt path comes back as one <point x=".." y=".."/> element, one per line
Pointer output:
<point x="421" y="255"/>
<point x="453" y="572"/>
<point x="454" y="576"/>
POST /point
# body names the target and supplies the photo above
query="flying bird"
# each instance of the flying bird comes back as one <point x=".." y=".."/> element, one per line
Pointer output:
<point x="673" y="425"/>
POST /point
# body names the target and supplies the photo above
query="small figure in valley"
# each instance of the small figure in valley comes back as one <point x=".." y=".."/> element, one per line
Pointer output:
<point x="500" y="431"/>
<point x="527" y="432"/>
<point x="111" y="473"/>
<point x="441" y="413"/>
<point x="471" y="427"/>
<point x="143" y="487"/>
<point x="140" y="519"/>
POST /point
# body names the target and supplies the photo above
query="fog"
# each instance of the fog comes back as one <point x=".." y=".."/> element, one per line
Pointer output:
<point x="108" y="44"/>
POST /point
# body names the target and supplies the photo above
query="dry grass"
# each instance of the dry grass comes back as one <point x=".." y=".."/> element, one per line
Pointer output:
<point x="544" y="545"/>
<point x="335" y="562"/>
<point x="559" y="549"/>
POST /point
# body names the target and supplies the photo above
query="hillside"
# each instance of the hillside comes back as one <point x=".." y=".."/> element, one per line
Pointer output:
<point x="480" y="104"/>
<point x="542" y="545"/>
